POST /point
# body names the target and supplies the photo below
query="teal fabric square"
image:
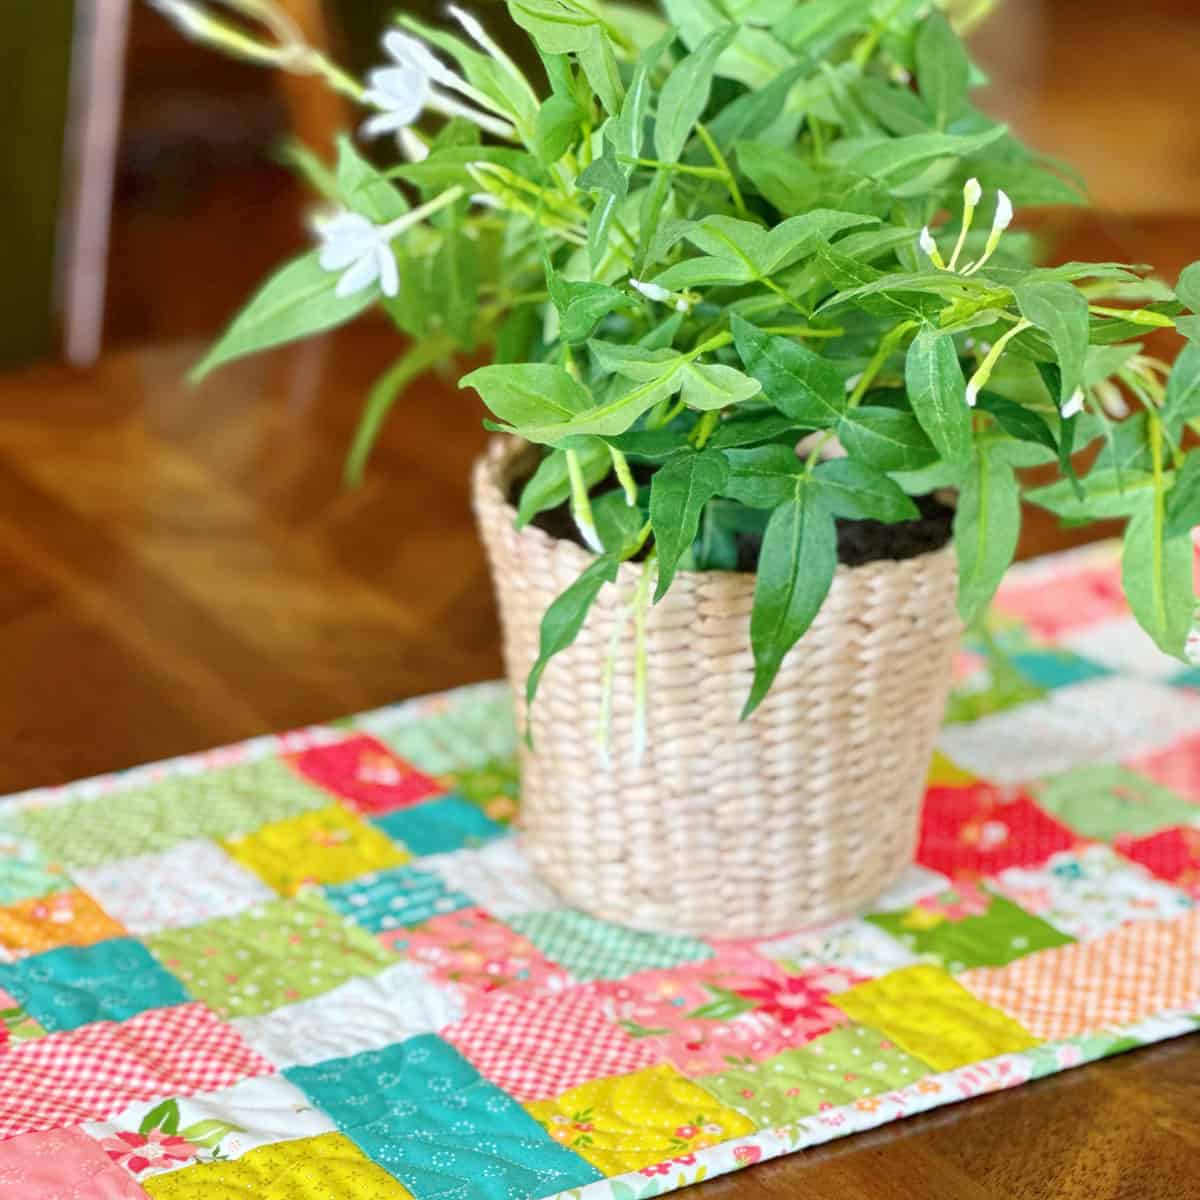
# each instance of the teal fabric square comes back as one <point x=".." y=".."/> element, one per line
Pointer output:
<point x="1057" y="668"/>
<point x="421" y="1111"/>
<point x="1189" y="678"/>
<point x="76" y="985"/>
<point x="396" y="898"/>
<point x="440" y="826"/>
<point x="593" y="949"/>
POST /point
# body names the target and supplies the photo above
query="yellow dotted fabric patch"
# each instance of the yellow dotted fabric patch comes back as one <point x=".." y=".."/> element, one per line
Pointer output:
<point x="329" y="845"/>
<point x="637" y="1120"/>
<point x="926" y="1013"/>
<point x="62" y="919"/>
<point x="308" y="1169"/>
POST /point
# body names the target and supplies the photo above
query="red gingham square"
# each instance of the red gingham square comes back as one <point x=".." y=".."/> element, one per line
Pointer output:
<point x="366" y="775"/>
<point x="538" y="1047"/>
<point x="95" y="1071"/>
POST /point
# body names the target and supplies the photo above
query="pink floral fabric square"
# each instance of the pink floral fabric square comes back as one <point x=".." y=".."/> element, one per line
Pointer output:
<point x="1177" y="767"/>
<point x="90" y="1073"/>
<point x="364" y="773"/>
<point x="479" y="954"/>
<point x="61" y="1164"/>
<point x="733" y="1009"/>
<point x="1077" y="598"/>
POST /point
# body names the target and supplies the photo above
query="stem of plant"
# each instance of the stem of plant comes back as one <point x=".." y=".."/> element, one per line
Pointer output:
<point x="730" y="180"/>
<point x="581" y="506"/>
<point x="878" y="361"/>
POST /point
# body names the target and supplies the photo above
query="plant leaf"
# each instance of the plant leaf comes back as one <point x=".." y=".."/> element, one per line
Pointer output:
<point x="364" y="188"/>
<point x="550" y="485"/>
<point x="678" y="494"/>
<point x="709" y="386"/>
<point x="581" y="305"/>
<point x="937" y="392"/>
<point x="795" y="571"/>
<point x="764" y="477"/>
<point x="1182" y="401"/>
<point x="1109" y="493"/>
<point x="297" y="301"/>
<point x="1157" y="575"/>
<point x="566" y="615"/>
<point x="801" y="384"/>
<point x="685" y="95"/>
<point x="1061" y="312"/>
<point x="1018" y="421"/>
<point x="753" y="429"/>
<point x="1188" y="287"/>
<point x="853" y="490"/>
<point x="943" y="69"/>
<point x="529" y="395"/>
<point x="1183" y="500"/>
<point x="888" y="439"/>
<point x="987" y="524"/>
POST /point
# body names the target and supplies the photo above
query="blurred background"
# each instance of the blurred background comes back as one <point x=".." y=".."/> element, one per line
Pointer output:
<point x="184" y="567"/>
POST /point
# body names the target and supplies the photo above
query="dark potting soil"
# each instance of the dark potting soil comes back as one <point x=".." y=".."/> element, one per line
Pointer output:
<point x="859" y="542"/>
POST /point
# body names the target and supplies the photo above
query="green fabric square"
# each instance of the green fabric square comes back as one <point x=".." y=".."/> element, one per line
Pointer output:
<point x="848" y="1065"/>
<point x="936" y="930"/>
<point x="475" y="728"/>
<point x="26" y="871"/>
<point x="594" y="949"/>
<point x="1103" y="802"/>
<point x="273" y="955"/>
<point x="216" y="804"/>
<point x="495" y="787"/>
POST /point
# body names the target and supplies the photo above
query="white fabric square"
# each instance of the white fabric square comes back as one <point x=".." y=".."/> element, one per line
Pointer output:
<point x="1122" y="645"/>
<point x="364" y="1014"/>
<point x="498" y="877"/>
<point x="155" y="1136"/>
<point x="1089" y="892"/>
<point x="856" y="945"/>
<point x="190" y="883"/>
<point x="1106" y="720"/>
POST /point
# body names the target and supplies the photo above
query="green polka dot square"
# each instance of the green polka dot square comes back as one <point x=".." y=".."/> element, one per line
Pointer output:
<point x="593" y="949"/>
<point x="276" y="954"/>
<point x="848" y="1065"/>
<point x="215" y="804"/>
<point x="1002" y="934"/>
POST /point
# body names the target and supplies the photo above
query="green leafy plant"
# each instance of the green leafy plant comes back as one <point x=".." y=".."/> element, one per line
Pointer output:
<point x="744" y="267"/>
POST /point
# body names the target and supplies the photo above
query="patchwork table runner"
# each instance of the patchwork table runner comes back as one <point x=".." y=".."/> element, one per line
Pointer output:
<point x="317" y="966"/>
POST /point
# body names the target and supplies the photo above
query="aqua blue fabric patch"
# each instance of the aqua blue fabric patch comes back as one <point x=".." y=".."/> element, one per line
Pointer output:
<point x="441" y="826"/>
<point x="1057" y="668"/>
<point x="421" y="1111"/>
<point x="1189" y="678"/>
<point x="76" y="985"/>
<point x="395" y="898"/>
<point x="26" y="871"/>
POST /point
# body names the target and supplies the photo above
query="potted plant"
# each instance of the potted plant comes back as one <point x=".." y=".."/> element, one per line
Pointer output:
<point x="768" y="360"/>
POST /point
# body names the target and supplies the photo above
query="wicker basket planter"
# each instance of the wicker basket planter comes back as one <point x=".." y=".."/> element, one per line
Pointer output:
<point x="804" y="813"/>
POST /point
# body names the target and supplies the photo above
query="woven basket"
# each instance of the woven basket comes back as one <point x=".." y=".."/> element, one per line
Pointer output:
<point x="805" y="812"/>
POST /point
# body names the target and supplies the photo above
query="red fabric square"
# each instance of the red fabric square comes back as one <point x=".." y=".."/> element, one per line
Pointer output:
<point x="61" y="1164"/>
<point x="981" y="829"/>
<point x="1177" y="767"/>
<point x="1171" y="854"/>
<point x="95" y="1071"/>
<point x="537" y="1047"/>
<point x="1052" y="606"/>
<point x="363" y="772"/>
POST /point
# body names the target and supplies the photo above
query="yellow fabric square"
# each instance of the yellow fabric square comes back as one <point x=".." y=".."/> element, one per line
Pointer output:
<point x="934" y="1018"/>
<point x="635" y="1121"/>
<point x="328" y="845"/>
<point x="944" y="772"/>
<point x="309" y="1169"/>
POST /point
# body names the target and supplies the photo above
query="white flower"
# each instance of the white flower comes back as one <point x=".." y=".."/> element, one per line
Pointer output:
<point x="1004" y="213"/>
<point x="352" y="244"/>
<point x="930" y="247"/>
<point x="403" y="91"/>
<point x="652" y="291"/>
<point x="1073" y="405"/>
<point x="972" y="192"/>
<point x="972" y="393"/>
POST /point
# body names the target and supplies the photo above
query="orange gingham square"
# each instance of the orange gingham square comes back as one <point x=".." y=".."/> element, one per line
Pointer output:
<point x="1137" y="970"/>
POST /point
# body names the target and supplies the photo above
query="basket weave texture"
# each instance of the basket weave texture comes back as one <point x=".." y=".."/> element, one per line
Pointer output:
<point x="806" y="812"/>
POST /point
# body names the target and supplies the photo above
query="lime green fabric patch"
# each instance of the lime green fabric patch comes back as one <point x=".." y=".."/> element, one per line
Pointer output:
<point x="1103" y="802"/>
<point x="270" y="956"/>
<point x="238" y="799"/>
<point x="473" y="731"/>
<point x="968" y="927"/>
<point x="847" y="1066"/>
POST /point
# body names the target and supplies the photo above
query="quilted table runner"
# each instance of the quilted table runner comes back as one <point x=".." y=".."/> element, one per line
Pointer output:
<point x="317" y="966"/>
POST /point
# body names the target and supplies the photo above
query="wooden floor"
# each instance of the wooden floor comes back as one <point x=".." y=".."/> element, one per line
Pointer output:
<point x="183" y="568"/>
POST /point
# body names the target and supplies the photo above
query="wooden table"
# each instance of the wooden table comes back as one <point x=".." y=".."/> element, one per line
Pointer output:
<point x="183" y="568"/>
